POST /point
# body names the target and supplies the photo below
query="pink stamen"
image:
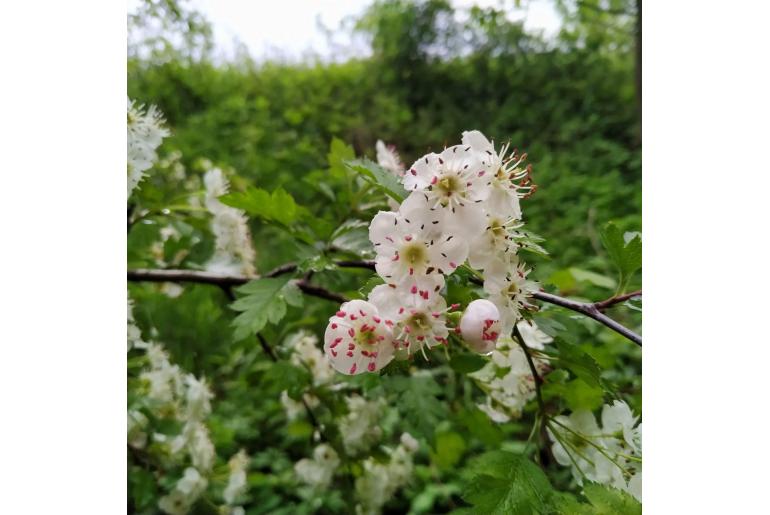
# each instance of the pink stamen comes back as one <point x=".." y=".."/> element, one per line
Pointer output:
<point x="350" y="353"/>
<point x="414" y="289"/>
<point x="371" y="366"/>
<point x="334" y="326"/>
<point x="351" y="332"/>
<point x="353" y="369"/>
<point x="341" y="314"/>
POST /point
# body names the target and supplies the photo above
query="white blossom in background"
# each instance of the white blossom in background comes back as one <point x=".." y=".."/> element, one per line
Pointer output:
<point x="305" y="353"/>
<point x="134" y="334"/>
<point x="145" y="134"/>
<point x="610" y="454"/>
<point x="318" y="471"/>
<point x="137" y="422"/>
<point x="236" y="482"/>
<point x="380" y="481"/>
<point x="507" y="380"/>
<point x="388" y="158"/>
<point x="234" y="252"/>
<point x="360" y="427"/>
<point x="185" y="493"/>
<point x="358" y="339"/>
<point x="480" y="325"/>
<point x="294" y="409"/>
<point x="534" y="338"/>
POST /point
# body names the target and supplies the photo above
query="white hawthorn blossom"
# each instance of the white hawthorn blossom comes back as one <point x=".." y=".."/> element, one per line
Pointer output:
<point x="305" y="353"/>
<point x="610" y="454"/>
<point x="509" y="181"/>
<point x="509" y="289"/>
<point x="294" y="409"/>
<point x="417" y="311"/>
<point x="380" y="481"/>
<point x="412" y="242"/>
<point x="145" y="134"/>
<point x="453" y="183"/>
<point x="534" y="338"/>
<point x="358" y="339"/>
<point x="507" y="379"/>
<point x="388" y="158"/>
<point x="186" y="491"/>
<point x="318" y="471"/>
<point x="494" y="243"/>
<point x="480" y="325"/>
<point x="359" y="428"/>
<point x="236" y="482"/>
<point x="234" y="252"/>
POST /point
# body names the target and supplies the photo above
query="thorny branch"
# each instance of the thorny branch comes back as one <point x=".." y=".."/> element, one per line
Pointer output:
<point x="591" y="310"/>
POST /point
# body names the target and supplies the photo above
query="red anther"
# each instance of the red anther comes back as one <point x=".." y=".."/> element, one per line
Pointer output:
<point x="377" y="320"/>
<point x="351" y="332"/>
<point x="389" y="322"/>
<point x="413" y="172"/>
<point x="353" y="317"/>
<point x="371" y="366"/>
<point x="436" y="315"/>
<point x="452" y="264"/>
<point x="335" y="342"/>
<point x="395" y="258"/>
<point x="420" y="338"/>
<point x="351" y="346"/>
<point x="362" y="312"/>
<point x="353" y="369"/>
<point x="389" y="239"/>
<point x="400" y="310"/>
<point x="454" y="306"/>
<point x="469" y="184"/>
<point x="380" y="338"/>
<point x="373" y="354"/>
<point x="414" y="289"/>
<point x="411" y="271"/>
<point x="434" y="180"/>
<point x="481" y="173"/>
<point x="408" y="237"/>
<point x="350" y="353"/>
<point x="334" y="326"/>
<point x="334" y="353"/>
<point x="365" y="353"/>
<point x="341" y="313"/>
<point x="457" y="329"/>
<point x="407" y="329"/>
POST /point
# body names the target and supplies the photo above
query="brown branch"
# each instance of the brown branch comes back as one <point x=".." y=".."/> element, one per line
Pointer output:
<point x="590" y="311"/>
<point x="223" y="281"/>
<point x="617" y="299"/>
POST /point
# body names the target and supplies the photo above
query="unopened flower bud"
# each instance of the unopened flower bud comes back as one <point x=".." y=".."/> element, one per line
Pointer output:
<point x="480" y="326"/>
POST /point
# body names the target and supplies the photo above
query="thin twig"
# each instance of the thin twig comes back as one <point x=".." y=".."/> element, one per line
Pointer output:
<point x="538" y="385"/>
<point x="617" y="299"/>
<point x="590" y="311"/>
<point x="223" y="281"/>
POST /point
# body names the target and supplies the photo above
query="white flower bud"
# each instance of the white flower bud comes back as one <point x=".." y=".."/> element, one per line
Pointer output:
<point x="480" y="326"/>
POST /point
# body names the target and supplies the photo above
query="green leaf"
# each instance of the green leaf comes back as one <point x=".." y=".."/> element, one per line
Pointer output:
<point x="142" y="487"/>
<point x="417" y="399"/>
<point x="609" y="501"/>
<point x="379" y="177"/>
<point x="578" y="394"/>
<point x="264" y="301"/>
<point x="467" y="362"/>
<point x="626" y="254"/>
<point x="450" y="447"/>
<point x="592" y="277"/>
<point x="278" y="206"/>
<point x="507" y="483"/>
<point x="479" y="425"/>
<point x="339" y="153"/>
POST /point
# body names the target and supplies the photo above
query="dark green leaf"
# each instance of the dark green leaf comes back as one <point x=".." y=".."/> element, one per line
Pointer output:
<point x="610" y="501"/>
<point x="264" y="300"/>
<point x="467" y="362"/>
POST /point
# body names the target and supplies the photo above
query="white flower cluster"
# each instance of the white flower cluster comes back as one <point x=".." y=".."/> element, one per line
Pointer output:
<point x="318" y="472"/>
<point x="359" y="428"/>
<point x="306" y="354"/>
<point x="611" y="454"/>
<point x="145" y="134"/>
<point x="236" y="483"/>
<point x="507" y="378"/>
<point x="170" y="393"/>
<point x="234" y="253"/>
<point x="463" y="205"/>
<point x="380" y="481"/>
